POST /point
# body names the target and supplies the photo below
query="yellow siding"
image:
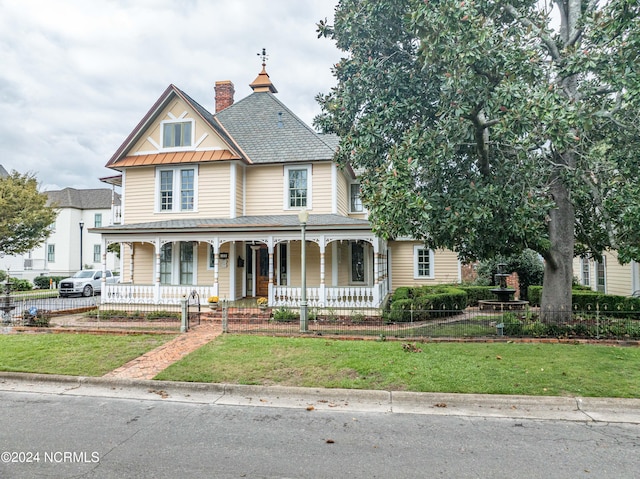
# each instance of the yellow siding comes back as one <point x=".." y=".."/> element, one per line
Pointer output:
<point x="342" y="191"/>
<point x="139" y="186"/>
<point x="313" y="264"/>
<point x="240" y="172"/>
<point x="322" y="188"/>
<point x="213" y="193"/>
<point x="264" y="195"/>
<point x="144" y="261"/>
<point x="445" y="267"/>
<point x="177" y="107"/>
<point x="618" y="277"/>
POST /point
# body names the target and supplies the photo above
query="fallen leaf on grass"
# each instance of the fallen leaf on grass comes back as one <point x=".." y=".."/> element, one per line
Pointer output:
<point x="310" y="408"/>
<point x="330" y="441"/>
<point x="440" y="404"/>
<point x="498" y="357"/>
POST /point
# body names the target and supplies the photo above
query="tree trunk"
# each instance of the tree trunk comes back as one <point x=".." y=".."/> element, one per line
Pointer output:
<point x="558" y="270"/>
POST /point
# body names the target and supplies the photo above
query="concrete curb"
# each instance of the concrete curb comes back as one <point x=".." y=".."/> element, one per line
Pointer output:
<point x="612" y="410"/>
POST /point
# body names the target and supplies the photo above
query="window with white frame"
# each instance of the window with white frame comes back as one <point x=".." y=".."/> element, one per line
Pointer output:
<point x="585" y="270"/>
<point x="97" y="256"/>
<point x="97" y="220"/>
<point x="166" y="263"/>
<point x="422" y="262"/>
<point x="51" y="253"/>
<point x="175" y="183"/>
<point x="357" y="262"/>
<point x="176" y="134"/>
<point x="298" y="187"/>
<point x="356" y="202"/>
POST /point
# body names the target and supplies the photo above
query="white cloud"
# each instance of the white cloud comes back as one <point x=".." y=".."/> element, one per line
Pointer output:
<point x="77" y="76"/>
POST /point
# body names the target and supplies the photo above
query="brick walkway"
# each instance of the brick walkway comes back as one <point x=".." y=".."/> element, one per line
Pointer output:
<point x="150" y="364"/>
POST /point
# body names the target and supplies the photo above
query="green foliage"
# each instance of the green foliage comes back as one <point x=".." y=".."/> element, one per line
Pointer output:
<point x="42" y="282"/>
<point x="285" y="315"/>
<point x="479" y="129"/>
<point x="26" y="219"/>
<point x="527" y="264"/>
<point x="426" y="302"/>
<point x="20" y="284"/>
<point x="476" y="293"/>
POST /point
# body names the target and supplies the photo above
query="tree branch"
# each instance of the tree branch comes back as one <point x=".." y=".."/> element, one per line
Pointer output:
<point x="546" y="39"/>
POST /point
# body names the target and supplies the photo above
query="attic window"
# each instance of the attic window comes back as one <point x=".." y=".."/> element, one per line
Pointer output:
<point x="176" y="134"/>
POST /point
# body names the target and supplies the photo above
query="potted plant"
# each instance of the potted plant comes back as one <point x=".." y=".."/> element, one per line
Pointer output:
<point x="213" y="302"/>
<point x="262" y="303"/>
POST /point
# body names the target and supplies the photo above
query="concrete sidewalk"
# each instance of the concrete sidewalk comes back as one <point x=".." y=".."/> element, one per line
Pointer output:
<point x="398" y="402"/>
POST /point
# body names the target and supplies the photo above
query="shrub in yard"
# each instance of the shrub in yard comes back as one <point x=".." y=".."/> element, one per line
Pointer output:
<point x="404" y="292"/>
<point x="20" y="284"/>
<point x="285" y="314"/>
<point x="512" y="325"/>
<point x="476" y="293"/>
<point x="43" y="282"/>
<point x="163" y="315"/>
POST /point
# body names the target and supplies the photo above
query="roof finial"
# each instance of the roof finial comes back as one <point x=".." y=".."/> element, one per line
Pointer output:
<point x="264" y="57"/>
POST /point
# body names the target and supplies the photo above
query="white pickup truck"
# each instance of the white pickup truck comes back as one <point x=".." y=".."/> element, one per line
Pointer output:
<point x="86" y="282"/>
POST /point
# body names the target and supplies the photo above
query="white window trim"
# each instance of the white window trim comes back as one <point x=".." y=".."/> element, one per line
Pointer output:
<point x="351" y="210"/>
<point x="287" y="168"/>
<point x="177" y="148"/>
<point x="366" y="251"/>
<point x="176" y="189"/>
<point x="432" y="274"/>
<point x="175" y="264"/>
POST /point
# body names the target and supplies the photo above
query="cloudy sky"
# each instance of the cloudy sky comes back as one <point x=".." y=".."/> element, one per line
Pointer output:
<point x="77" y="76"/>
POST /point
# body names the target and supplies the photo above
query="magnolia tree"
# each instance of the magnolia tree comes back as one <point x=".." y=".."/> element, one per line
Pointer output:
<point x="490" y="126"/>
<point x="25" y="218"/>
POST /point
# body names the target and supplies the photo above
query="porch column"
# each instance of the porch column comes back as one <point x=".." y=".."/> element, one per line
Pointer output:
<point x="103" y="280"/>
<point x="216" y="268"/>
<point x="376" y="273"/>
<point x="232" y="271"/>
<point x="254" y="268"/>
<point x="270" y="290"/>
<point x="323" y="290"/>
<point x="131" y="262"/>
<point x="156" y="289"/>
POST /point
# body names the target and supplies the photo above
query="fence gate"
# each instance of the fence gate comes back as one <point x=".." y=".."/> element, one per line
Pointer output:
<point x="193" y="308"/>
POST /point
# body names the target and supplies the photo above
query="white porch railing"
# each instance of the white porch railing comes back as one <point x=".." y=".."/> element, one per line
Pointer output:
<point x="322" y="297"/>
<point x="330" y="297"/>
<point x="122" y="293"/>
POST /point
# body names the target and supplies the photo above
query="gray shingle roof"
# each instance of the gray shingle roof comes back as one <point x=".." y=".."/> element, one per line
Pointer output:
<point x="3" y="172"/>
<point x="89" y="199"/>
<point x="246" y="223"/>
<point x="268" y="132"/>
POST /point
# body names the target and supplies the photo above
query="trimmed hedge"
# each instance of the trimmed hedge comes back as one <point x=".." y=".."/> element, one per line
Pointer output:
<point x="42" y="282"/>
<point x="426" y="302"/>
<point x="476" y="293"/>
<point x="589" y="300"/>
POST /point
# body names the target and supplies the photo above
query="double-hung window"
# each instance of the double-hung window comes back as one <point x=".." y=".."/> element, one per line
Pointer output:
<point x="298" y="187"/>
<point x="356" y="202"/>
<point x="422" y="262"/>
<point x="176" y="134"/>
<point x="177" y="188"/>
<point x="97" y="254"/>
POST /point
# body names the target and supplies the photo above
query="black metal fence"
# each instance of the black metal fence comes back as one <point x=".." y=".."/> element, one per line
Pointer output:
<point x="466" y="323"/>
<point x="45" y="308"/>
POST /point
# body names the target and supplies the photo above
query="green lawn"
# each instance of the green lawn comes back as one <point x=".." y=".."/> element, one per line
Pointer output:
<point x="491" y="368"/>
<point x="73" y="354"/>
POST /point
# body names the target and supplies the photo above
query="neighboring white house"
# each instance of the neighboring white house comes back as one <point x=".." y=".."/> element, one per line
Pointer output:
<point x="70" y="239"/>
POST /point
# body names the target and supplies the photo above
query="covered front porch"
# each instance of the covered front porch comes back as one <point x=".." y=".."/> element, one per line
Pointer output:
<point x="344" y="269"/>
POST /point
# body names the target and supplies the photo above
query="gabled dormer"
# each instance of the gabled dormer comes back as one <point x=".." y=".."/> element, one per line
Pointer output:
<point x="175" y="130"/>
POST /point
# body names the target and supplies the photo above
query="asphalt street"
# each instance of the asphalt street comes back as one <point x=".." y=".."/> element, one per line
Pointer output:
<point x="64" y="427"/>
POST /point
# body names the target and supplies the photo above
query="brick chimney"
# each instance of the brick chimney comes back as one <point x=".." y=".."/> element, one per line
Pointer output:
<point x="224" y="94"/>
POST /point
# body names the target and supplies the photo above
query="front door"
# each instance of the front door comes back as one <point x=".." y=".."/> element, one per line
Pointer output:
<point x="262" y="272"/>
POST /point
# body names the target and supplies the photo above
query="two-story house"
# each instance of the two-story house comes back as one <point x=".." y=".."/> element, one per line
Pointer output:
<point x="212" y="203"/>
<point x="70" y="246"/>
